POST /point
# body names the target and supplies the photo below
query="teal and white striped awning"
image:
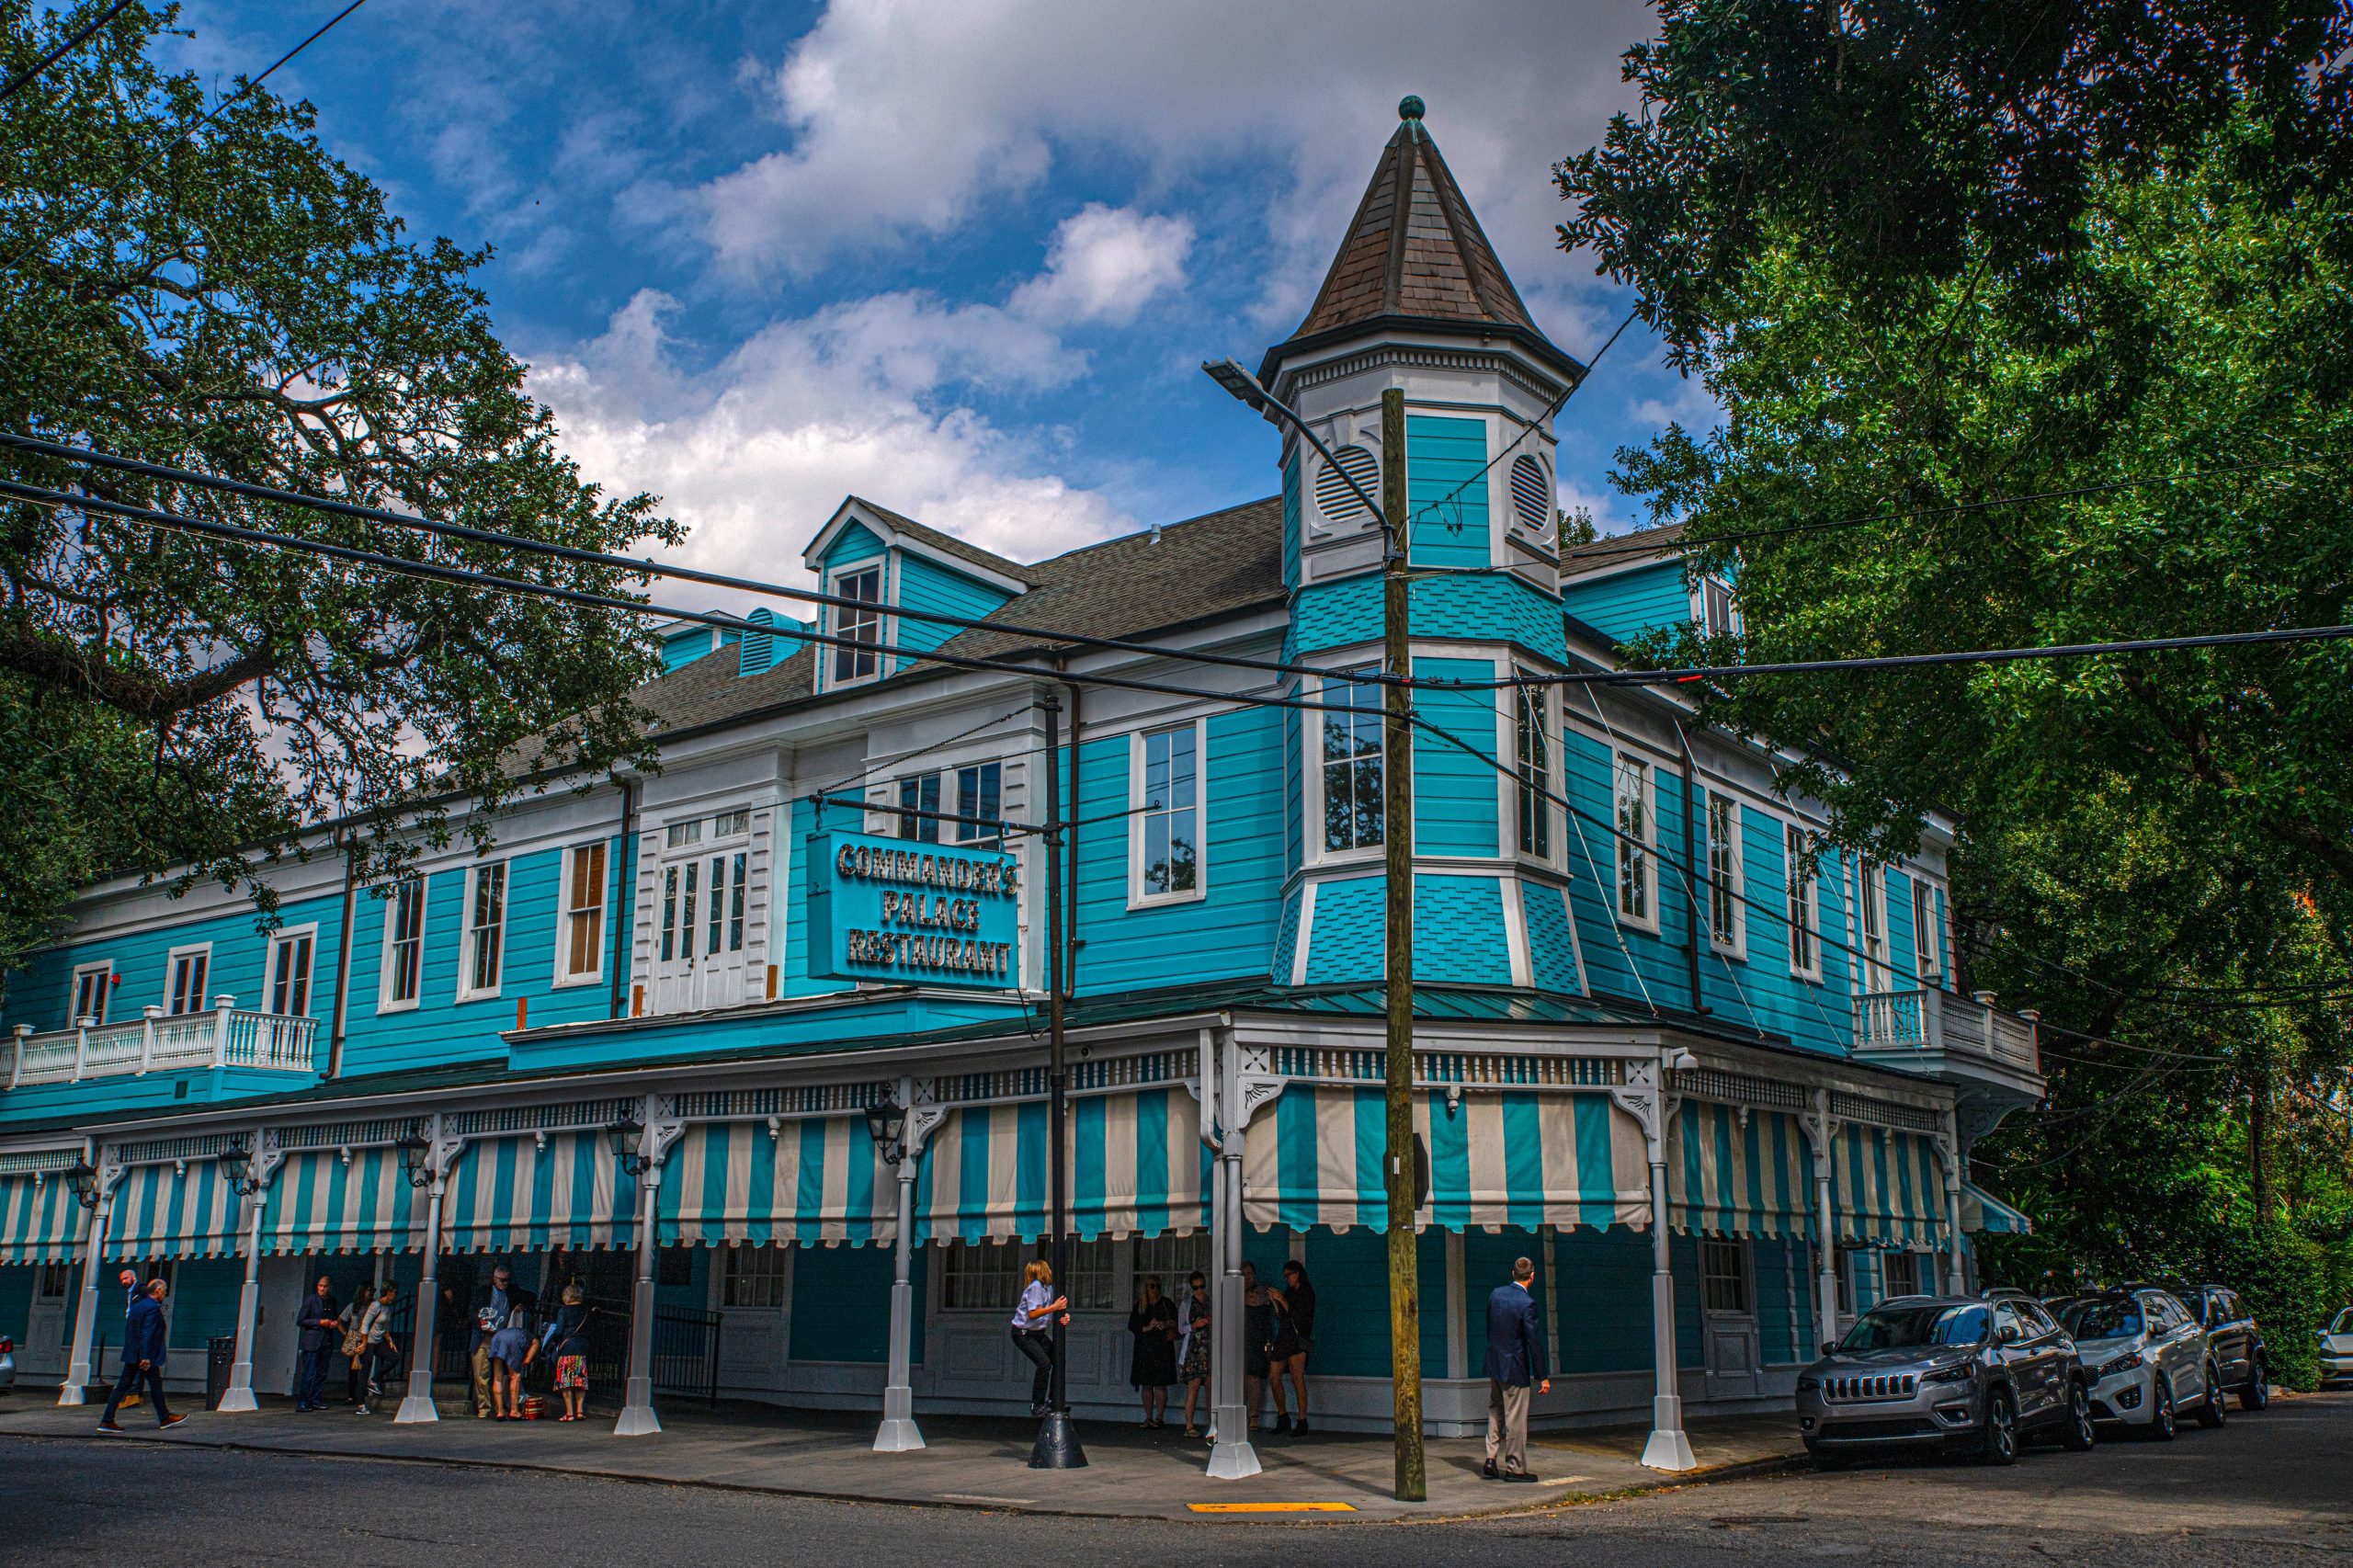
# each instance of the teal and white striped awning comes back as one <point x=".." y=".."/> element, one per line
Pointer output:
<point x="1887" y="1186"/>
<point x="515" y="1194"/>
<point x="1728" y="1178"/>
<point x="186" y="1208"/>
<point x="1519" y="1159"/>
<point x="321" y="1203"/>
<point x="39" y="1221"/>
<point x="1137" y="1167"/>
<point x="816" y="1179"/>
<point x="1982" y="1211"/>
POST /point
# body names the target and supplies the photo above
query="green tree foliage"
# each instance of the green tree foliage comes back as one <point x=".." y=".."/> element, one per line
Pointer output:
<point x="1930" y="259"/>
<point x="193" y="279"/>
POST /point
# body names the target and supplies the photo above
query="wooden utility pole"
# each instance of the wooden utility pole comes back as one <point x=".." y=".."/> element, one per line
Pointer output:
<point x="1057" y="1447"/>
<point x="1397" y="838"/>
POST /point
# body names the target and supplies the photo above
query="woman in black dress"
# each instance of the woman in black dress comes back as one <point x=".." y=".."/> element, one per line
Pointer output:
<point x="1152" y="1369"/>
<point x="1258" y="1340"/>
<point x="1294" y="1337"/>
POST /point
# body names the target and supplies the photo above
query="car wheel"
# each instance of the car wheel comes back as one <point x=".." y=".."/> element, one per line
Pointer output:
<point x="2257" y="1393"/>
<point x="2216" y="1408"/>
<point x="2161" y="1413"/>
<point x="2079" y="1434"/>
<point x="2001" y="1436"/>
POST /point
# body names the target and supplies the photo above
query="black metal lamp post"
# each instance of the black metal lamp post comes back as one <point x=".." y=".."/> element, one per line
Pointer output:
<point x="416" y="1157"/>
<point x="237" y="1164"/>
<point x="886" y="1123"/>
<point x="626" y="1137"/>
<point x="82" y="1178"/>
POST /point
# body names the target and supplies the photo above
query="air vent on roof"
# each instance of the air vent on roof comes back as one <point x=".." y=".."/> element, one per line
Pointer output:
<point x="1333" y="496"/>
<point x="1531" y="495"/>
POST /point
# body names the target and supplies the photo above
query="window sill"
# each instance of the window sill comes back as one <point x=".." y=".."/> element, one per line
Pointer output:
<point x="489" y="996"/>
<point x="1164" y="900"/>
<point x="577" y="982"/>
<point x="408" y="1007"/>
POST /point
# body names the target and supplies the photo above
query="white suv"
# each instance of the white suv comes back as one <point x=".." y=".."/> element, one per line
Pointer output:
<point x="2147" y="1359"/>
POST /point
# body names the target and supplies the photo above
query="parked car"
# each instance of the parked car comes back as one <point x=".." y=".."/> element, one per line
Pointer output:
<point x="7" y="1364"/>
<point x="2236" y="1341"/>
<point x="2337" y="1348"/>
<point x="2147" y="1359"/>
<point x="1980" y="1374"/>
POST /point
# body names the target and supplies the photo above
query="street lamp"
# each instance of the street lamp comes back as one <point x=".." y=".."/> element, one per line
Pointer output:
<point x="84" y="1179"/>
<point x="237" y="1162"/>
<point x="626" y="1137"/>
<point x="416" y="1157"/>
<point x="1247" y="389"/>
<point x="886" y="1123"/>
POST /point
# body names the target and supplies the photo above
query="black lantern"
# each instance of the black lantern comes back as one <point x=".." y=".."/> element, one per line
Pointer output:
<point x="626" y="1137"/>
<point x="886" y="1123"/>
<point x="416" y="1157"/>
<point x="237" y="1162"/>
<point x="84" y="1180"/>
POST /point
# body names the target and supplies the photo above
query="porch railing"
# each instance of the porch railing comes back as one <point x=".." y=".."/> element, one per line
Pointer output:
<point x="224" y="1035"/>
<point x="1929" y="1019"/>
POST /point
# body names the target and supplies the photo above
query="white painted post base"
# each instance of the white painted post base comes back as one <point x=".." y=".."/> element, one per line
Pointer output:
<point x="638" y="1419"/>
<point x="898" y="1433"/>
<point x="418" y="1405"/>
<point x="238" y="1397"/>
<point x="1236" y="1459"/>
<point x="72" y="1391"/>
<point x="1668" y="1447"/>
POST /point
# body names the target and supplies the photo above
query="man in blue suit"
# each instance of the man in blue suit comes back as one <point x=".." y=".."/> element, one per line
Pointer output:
<point x="143" y="1334"/>
<point x="1515" y="1360"/>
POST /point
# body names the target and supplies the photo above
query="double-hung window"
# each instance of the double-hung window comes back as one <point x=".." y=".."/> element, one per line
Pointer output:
<point x="1727" y="919"/>
<point x="1631" y="791"/>
<point x="1718" y="617"/>
<point x="188" y="970"/>
<point x="1927" y="951"/>
<point x="1168" y="816"/>
<point x="583" y="913"/>
<point x="1351" y="767"/>
<point x="858" y="625"/>
<point x="918" y="794"/>
<point x="290" y="974"/>
<point x="92" y="981"/>
<point x="680" y="883"/>
<point x="1870" y="888"/>
<point x="1805" y="950"/>
<point x="404" y="943"/>
<point x="980" y="790"/>
<point x="1535" y="771"/>
<point x="485" y="930"/>
<point x="724" y="932"/>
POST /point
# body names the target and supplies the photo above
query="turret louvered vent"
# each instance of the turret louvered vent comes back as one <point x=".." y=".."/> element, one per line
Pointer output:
<point x="1531" y="495"/>
<point x="1333" y="497"/>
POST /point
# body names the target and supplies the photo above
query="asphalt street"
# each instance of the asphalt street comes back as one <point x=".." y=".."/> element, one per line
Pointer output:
<point x="2273" y="1488"/>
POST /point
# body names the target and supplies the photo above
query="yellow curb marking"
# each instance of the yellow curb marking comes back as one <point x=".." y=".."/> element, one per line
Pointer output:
<point x="1272" y="1507"/>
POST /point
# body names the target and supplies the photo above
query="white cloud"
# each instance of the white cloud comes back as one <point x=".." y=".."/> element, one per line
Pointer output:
<point x="1105" y="265"/>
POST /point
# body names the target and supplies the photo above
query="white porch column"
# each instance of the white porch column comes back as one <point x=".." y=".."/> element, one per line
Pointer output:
<point x="1668" y="1448"/>
<point x="637" y="1417"/>
<point x="239" y="1395"/>
<point x="1819" y="1131"/>
<point x="1231" y="1458"/>
<point x="899" y="1433"/>
<point x="417" y="1404"/>
<point x="85" y="1315"/>
<point x="1950" y="1146"/>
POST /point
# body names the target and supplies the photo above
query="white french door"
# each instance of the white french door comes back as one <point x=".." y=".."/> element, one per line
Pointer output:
<point x="699" y="931"/>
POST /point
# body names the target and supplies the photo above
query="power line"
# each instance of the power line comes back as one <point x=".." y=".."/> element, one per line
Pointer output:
<point x="24" y="77"/>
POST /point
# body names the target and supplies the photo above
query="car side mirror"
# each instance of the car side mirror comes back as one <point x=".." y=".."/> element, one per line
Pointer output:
<point x="1830" y="1347"/>
<point x="2006" y="1334"/>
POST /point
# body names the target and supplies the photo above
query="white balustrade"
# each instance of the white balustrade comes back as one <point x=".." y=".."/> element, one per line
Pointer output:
<point x="222" y="1037"/>
<point x="1931" y="1019"/>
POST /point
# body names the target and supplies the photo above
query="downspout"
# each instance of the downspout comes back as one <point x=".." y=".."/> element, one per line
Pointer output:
<point x="1691" y="856"/>
<point x="624" y="885"/>
<point x="1072" y="941"/>
<point x="336" y="1023"/>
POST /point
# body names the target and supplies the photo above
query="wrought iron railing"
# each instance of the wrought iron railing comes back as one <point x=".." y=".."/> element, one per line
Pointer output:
<point x="222" y="1037"/>
<point x="1930" y="1019"/>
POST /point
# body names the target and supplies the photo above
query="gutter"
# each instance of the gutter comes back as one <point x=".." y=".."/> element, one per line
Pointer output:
<point x="624" y="890"/>
<point x="336" y="1028"/>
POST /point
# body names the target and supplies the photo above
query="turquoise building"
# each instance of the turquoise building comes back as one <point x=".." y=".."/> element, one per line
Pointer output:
<point x="1716" y="1077"/>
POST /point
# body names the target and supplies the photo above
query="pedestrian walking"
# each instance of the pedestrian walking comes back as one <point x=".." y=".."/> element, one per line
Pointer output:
<point x="1193" y="1365"/>
<point x="1040" y="1308"/>
<point x="1515" y="1360"/>
<point x="1293" y="1340"/>
<point x="319" y="1322"/>
<point x="1258" y="1342"/>
<point x="383" y="1352"/>
<point x="1152" y="1365"/>
<point x="144" y="1336"/>
<point x="494" y="1304"/>
<point x="131" y="1290"/>
<point x="352" y="1353"/>
<point x="568" y="1343"/>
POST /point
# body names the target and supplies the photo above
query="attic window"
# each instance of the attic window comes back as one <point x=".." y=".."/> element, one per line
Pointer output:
<point x="1531" y="495"/>
<point x="1334" y="499"/>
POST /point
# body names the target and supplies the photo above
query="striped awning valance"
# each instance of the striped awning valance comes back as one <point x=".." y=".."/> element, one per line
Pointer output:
<point x="1887" y="1188"/>
<point x="1728" y="1178"/>
<point x="321" y="1203"/>
<point x="522" y="1195"/>
<point x="1982" y="1211"/>
<point x="1137" y="1167"/>
<point x="39" y="1221"/>
<point x="815" y="1180"/>
<point x="184" y="1208"/>
<point x="1315" y="1157"/>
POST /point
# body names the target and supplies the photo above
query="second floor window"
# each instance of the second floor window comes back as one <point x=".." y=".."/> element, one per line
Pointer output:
<point x="90" y="988"/>
<point x="486" y="930"/>
<point x="1352" y="774"/>
<point x="1727" y="920"/>
<point x="190" y="969"/>
<point x="1170" y="863"/>
<point x="859" y="624"/>
<point x="584" y="915"/>
<point x="726" y="925"/>
<point x="1631" y="791"/>
<point x="1535" y="776"/>
<point x="920" y="793"/>
<point x="1720" y="618"/>
<point x="679" y="885"/>
<point x="404" y="942"/>
<point x="1805" y="953"/>
<point x="980" y="789"/>
<point x="1927" y="957"/>
<point x="290" y="975"/>
<point x="1870" y="887"/>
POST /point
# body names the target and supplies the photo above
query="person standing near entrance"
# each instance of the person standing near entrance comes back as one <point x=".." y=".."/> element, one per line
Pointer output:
<point x="319" y="1322"/>
<point x="1033" y="1328"/>
<point x="1294" y="1337"/>
<point x="568" y="1336"/>
<point x="496" y="1304"/>
<point x="1195" y="1370"/>
<point x="352" y="1353"/>
<point x="1152" y="1366"/>
<point x="1516" y="1360"/>
<point x="143" y="1336"/>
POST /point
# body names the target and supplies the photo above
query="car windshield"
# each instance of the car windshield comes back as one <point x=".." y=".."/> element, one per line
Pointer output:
<point x="2101" y="1317"/>
<point x="2344" y="1323"/>
<point x="1889" y="1328"/>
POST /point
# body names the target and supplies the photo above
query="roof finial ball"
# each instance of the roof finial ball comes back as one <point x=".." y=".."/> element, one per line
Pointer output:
<point x="1409" y="106"/>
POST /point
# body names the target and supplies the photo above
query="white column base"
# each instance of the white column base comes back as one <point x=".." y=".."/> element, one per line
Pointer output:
<point x="638" y="1419"/>
<point x="418" y="1403"/>
<point x="238" y="1397"/>
<point x="1236" y="1459"/>
<point x="898" y="1433"/>
<point x="1668" y="1447"/>
<point x="73" y="1392"/>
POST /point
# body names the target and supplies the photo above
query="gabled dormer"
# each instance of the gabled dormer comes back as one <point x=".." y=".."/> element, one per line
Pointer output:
<point x="1625" y="585"/>
<point x="875" y="556"/>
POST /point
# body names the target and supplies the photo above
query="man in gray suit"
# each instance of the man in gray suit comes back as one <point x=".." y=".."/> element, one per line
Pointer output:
<point x="1516" y="1360"/>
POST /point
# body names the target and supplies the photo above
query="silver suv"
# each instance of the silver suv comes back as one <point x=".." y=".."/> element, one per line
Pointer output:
<point x="1976" y="1374"/>
<point x="2148" y="1359"/>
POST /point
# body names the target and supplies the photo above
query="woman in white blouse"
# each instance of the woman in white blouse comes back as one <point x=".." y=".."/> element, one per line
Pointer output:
<point x="1033" y="1321"/>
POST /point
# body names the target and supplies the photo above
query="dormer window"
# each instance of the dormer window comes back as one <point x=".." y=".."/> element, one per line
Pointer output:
<point x="860" y="623"/>
<point x="1718" y="617"/>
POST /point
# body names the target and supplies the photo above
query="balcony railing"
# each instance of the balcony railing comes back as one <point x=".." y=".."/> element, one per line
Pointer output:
<point x="1939" y="1020"/>
<point x="225" y="1036"/>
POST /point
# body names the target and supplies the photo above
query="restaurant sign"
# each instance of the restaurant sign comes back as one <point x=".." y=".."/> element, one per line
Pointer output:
<point x="894" y="909"/>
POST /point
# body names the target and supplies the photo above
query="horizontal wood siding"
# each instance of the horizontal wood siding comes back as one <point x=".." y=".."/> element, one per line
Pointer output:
<point x="1625" y="604"/>
<point x="1455" y="793"/>
<point x="924" y="583"/>
<point x="1445" y="490"/>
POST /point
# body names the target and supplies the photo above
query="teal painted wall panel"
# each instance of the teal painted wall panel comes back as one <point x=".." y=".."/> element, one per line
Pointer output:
<point x="1285" y="942"/>
<point x="1604" y="1294"/>
<point x="1459" y="931"/>
<point x="1455" y="792"/>
<point x="1621" y="960"/>
<point x="41" y="994"/>
<point x="855" y="543"/>
<point x="1551" y="950"/>
<point x="841" y="1304"/>
<point x="1347" y="940"/>
<point x="1626" y="604"/>
<point x="1482" y="608"/>
<point x="204" y="1303"/>
<point x="924" y="583"/>
<point x="1350" y="1273"/>
<point x="1290" y="523"/>
<point x="1445" y="490"/>
<point x="1782" y="1267"/>
<point x="1294" y="806"/>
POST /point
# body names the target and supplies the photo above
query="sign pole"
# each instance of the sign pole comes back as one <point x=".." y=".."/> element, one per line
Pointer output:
<point x="1057" y="1446"/>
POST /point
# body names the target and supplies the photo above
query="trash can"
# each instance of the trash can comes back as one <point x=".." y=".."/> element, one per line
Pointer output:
<point x="219" y="1355"/>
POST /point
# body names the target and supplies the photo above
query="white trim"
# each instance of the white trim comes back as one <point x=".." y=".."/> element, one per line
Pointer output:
<point x="1515" y="913"/>
<point x="1871" y="898"/>
<point x="1812" y="927"/>
<point x="1554" y="738"/>
<point x="385" y="1001"/>
<point x="1306" y="932"/>
<point x="468" y="933"/>
<point x="893" y="537"/>
<point x="1619" y="757"/>
<point x="560" y="976"/>
<point x="269" y="967"/>
<point x="74" y="1015"/>
<point x="830" y="622"/>
<point x="1735" y="944"/>
<point x="199" y="1003"/>
<point x="1137" y="897"/>
<point x="1932" y="973"/>
<point x="1314" y="852"/>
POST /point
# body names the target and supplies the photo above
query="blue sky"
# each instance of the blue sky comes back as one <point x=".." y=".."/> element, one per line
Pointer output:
<point x="962" y="258"/>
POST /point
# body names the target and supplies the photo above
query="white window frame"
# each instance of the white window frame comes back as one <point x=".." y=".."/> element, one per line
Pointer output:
<point x="1699" y="588"/>
<point x="104" y="969"/>
<point x="387" y="965"/>
<point x="171" y="978"/>
<point x="769" y="1275"/>
<point x="1928" y="935"/>
<point x="1872" y="974"/>
<point x="1727" y="915"/>
<point x="1741" y="1276"/>
<point x="723" y="913"/>
<point x="835" y="578"/>
<point x="1520" y="799"/>
<point x="565" y="912"/>
<point x="1644" y="852"/>
<point x="471" y="934"/>
<point x="1139" y="896"/>
<point x="969" y="834"/>
<point x="733" y="822"/>
<point x="1319" y="853"/>
<point x="917" y="830"/>
<point x="1802" y="866"/>
<point x="277" y="939"/>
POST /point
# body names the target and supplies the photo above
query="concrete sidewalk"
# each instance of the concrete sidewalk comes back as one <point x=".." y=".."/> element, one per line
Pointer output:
<point x="972" y="1463"/>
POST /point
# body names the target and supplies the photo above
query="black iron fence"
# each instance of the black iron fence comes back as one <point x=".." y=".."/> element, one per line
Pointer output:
<point x="686" y="1349"/>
